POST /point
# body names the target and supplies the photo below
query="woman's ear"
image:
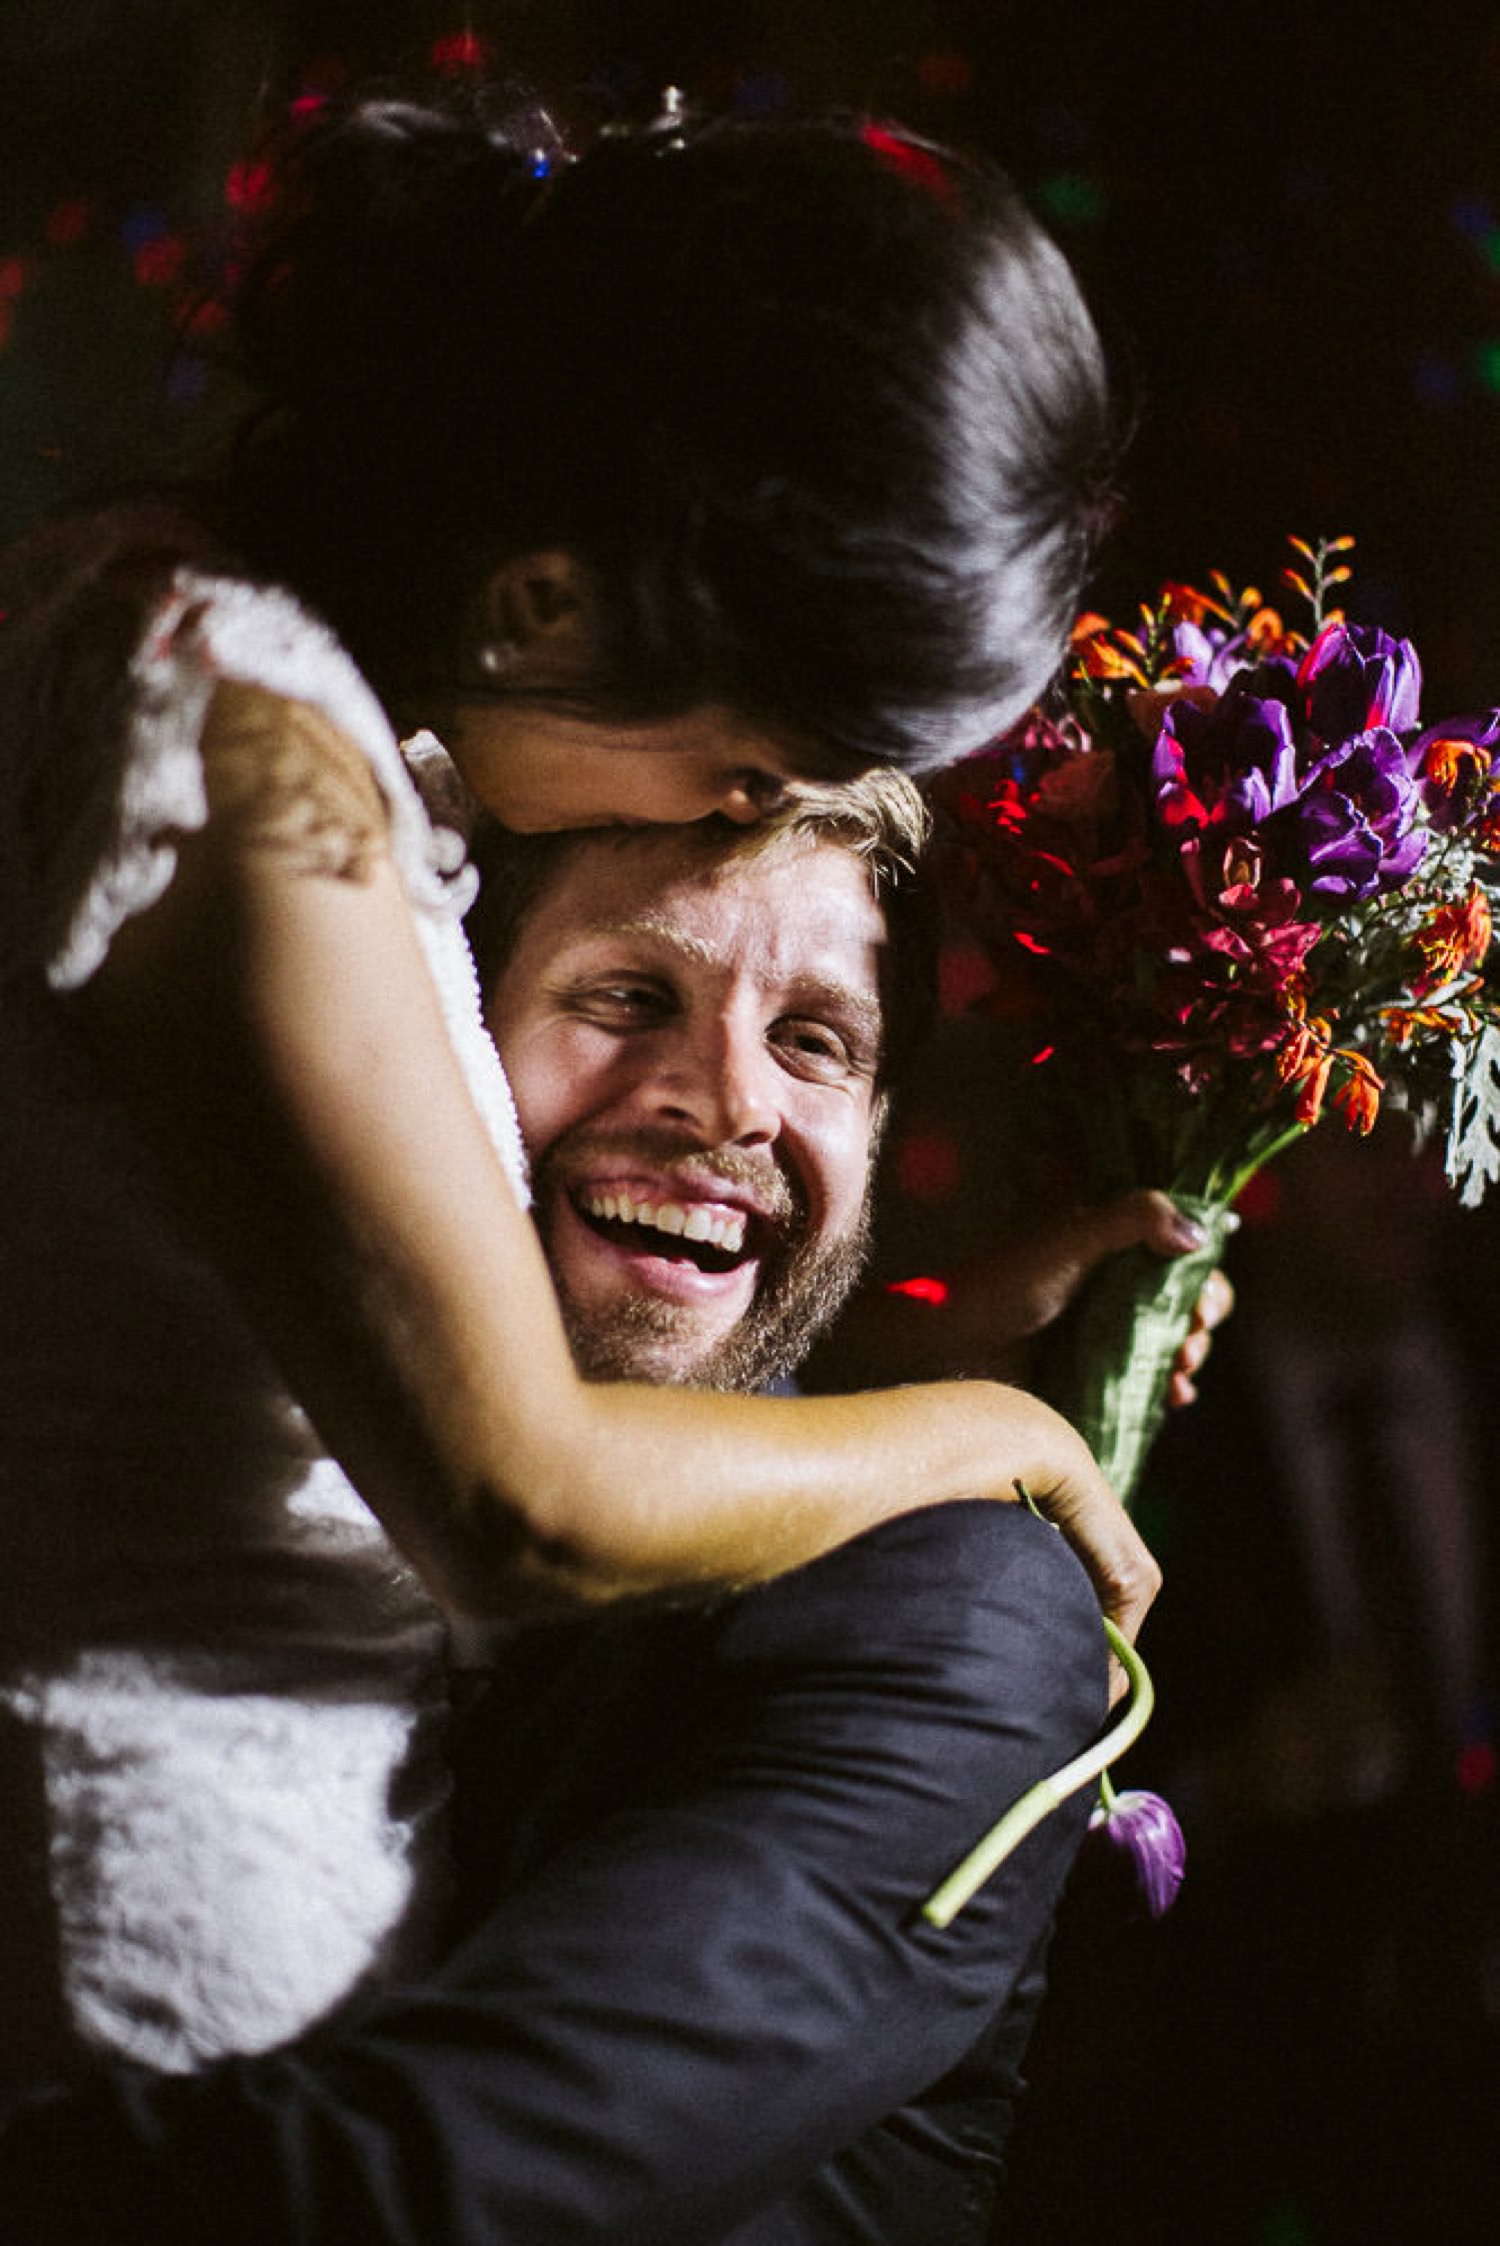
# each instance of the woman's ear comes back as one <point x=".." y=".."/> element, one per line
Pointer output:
<point x="540" y="609"/>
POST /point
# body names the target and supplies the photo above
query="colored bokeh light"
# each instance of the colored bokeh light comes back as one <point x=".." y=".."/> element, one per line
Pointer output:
<point x="158" y="263"/>
<point x="458" y="53"/>
<point x="1073" y="198"/>
<point x="249" y="185"/>
<point x="1476" y="1767"/>
<point x="933" y="1291"/>
<point x="928" y="1166"/>
<point x="68" y="222"/>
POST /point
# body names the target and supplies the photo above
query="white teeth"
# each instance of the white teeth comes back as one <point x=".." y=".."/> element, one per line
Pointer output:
<point x="697" y="1223"/>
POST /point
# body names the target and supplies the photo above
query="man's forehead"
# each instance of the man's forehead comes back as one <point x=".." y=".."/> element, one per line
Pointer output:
<point x="798" y="908"/>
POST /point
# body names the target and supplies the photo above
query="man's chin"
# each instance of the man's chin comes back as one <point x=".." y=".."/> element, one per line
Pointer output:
<point x="641" y="1337"/>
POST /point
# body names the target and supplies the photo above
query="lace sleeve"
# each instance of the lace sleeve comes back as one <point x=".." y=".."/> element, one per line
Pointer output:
<point x="210" y="637"/>
<point x="207" y="630"/>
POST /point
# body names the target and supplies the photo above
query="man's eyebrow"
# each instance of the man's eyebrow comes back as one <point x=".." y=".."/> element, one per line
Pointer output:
<point x="859" y="1006"/>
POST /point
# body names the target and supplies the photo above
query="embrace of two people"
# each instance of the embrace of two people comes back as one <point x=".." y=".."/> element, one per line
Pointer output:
<point x="694" y="1999"/>
<point x="705" y="474"/>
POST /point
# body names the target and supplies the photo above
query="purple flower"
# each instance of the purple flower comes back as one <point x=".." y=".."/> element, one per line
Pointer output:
<point x="1228" y="767"/>
<point x="1354" y="677"/>
<point x="1341" y="822"/>
<point x="1213" y="655"/>
<point x="1133" y="1853"/>
<point x="1353" y="830"/>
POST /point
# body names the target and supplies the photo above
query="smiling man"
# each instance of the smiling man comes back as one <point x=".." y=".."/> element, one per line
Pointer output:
<point x="694" y="1023"/>
<point x="693" y="2000"/>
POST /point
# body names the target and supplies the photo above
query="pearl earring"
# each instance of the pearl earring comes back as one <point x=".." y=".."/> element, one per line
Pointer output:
<point x="494" y="656"/>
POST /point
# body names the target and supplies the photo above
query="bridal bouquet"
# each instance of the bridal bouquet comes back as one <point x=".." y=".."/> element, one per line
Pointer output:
<point x="1232" y="885"/>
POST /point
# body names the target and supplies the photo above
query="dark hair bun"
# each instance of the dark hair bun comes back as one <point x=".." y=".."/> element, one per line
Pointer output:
<point x="358" y="265"/>
<point x="818" y="406"/>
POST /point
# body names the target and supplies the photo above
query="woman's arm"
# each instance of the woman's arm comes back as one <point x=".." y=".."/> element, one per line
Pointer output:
<point x="273" y="1023"/>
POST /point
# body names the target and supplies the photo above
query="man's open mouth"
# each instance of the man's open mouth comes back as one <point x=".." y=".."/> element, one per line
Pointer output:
<point x="713" y="1239"/>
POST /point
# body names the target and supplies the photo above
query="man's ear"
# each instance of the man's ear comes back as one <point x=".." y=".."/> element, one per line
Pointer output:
<point x="541" y="608"/>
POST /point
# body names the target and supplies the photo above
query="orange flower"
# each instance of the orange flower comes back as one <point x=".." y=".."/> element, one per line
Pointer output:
<point x="1314" y="1086"/>
<point x="1268" y="635"/>
<point x="1444" y="759"/>
<point x="1098" y="652"/>
<point x="1456" y="937"/>
<point x="1402" y="1024"/>
<point x="1184" y="604"/>
<point x="1358" y="1095"/>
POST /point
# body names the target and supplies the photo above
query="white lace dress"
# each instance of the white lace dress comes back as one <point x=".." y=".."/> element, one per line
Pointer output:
<point x="221" y="1690"/>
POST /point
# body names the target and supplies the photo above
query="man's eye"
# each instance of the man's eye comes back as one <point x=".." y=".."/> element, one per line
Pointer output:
<point x="622" y="1003"/>
<point x="815" y="1048"/>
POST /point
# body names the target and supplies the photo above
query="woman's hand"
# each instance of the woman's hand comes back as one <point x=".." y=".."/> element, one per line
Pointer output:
<point x="981" y="1315"/>
<point x="1069" y="1490"/>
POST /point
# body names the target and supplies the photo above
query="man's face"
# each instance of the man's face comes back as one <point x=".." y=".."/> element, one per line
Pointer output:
<point x="694" y="1052"/>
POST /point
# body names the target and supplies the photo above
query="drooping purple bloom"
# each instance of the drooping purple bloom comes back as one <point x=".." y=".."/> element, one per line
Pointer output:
<point x="1355" y="677"/>
<point x="1133" y="1855"/>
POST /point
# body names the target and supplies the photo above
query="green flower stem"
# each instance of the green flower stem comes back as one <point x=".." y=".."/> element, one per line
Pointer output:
<point x="964" y="1881"/>
<point x="1230" y="1190"/>
<point x="1107" y="1365"/>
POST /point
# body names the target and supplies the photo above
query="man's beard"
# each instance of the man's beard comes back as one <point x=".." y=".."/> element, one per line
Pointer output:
<point x="802" y="1285"/>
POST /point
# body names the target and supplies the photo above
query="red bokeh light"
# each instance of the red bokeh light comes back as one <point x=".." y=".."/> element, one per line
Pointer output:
<point x="923" y="169"/>
<point x="249" y="185"/>
<point x="459" y="51"/>
<point x="934" y="1291"/>
<point x="158" y="263"/>
<point x="964" y="977"/>
<point x="68" y="222"/>
<point x="1476" y="1767"/>
<point x="927" y="1165"/>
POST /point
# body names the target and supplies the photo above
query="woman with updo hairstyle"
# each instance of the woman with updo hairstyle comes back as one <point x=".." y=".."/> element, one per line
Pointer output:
<point x="654" y="481"/>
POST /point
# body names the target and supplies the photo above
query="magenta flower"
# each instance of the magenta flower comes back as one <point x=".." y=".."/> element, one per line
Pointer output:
<point x="1354" y="677"/>
<point x="1133" y="1853"/>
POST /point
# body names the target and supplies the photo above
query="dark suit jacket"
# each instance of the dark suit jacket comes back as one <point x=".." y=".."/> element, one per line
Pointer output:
<point x="697" y="2002"/>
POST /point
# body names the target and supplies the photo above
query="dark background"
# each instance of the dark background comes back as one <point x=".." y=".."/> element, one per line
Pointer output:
<point x="1288" y="219"/>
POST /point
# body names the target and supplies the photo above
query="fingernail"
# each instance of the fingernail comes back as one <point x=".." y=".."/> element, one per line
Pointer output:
<point x="1186" y="1231"/>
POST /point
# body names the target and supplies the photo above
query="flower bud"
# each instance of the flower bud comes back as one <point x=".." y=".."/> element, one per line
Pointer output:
<point x="1133" y="1854"/>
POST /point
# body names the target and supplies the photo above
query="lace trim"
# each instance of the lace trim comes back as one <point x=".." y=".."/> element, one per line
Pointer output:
<point x="209" y="628"/>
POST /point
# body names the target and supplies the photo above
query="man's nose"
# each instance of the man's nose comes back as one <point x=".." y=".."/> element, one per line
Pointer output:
<point x="720" y="1077"/>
